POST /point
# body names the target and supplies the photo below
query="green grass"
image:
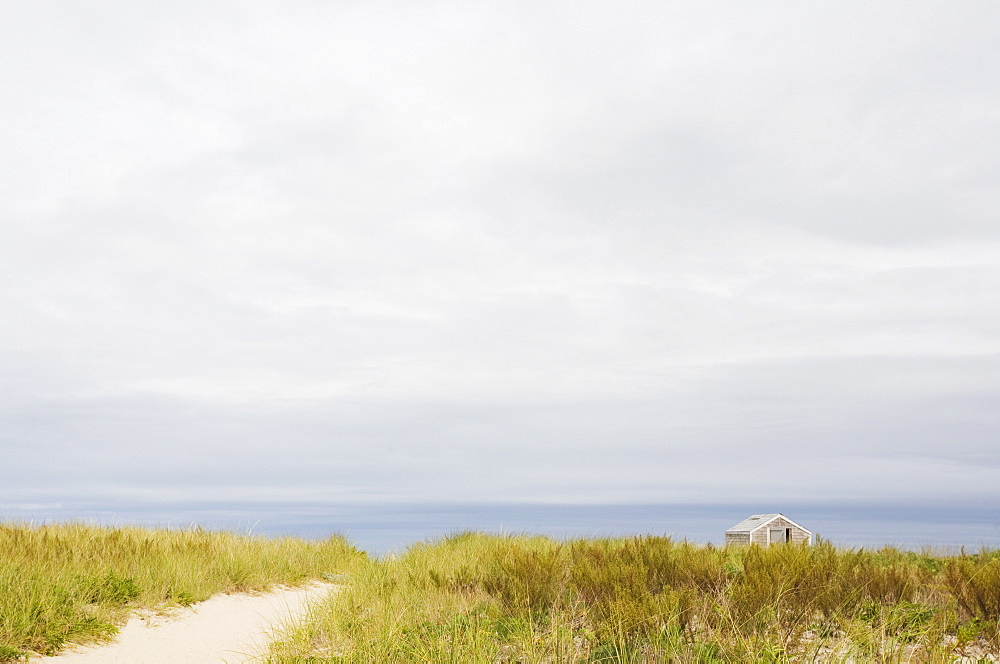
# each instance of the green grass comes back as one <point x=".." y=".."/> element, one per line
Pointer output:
<point x="481" y="598"/>
<point x="78" y="583"/>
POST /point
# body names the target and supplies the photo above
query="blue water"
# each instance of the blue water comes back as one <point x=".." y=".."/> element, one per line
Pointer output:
<point x="384" y="528"/>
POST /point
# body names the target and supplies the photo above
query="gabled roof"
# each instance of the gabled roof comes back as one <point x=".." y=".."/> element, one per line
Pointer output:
<point x="756" y="521"/>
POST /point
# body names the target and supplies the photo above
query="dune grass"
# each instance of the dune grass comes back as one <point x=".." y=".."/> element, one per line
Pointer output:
<point x="74" y="582"/>
<point x="483" y="598"/>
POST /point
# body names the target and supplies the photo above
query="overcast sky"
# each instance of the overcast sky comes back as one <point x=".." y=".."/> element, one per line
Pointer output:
<point x="532" y="251"/>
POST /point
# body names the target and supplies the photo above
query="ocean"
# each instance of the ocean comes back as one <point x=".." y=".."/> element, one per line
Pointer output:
<point x="382" y="528"/>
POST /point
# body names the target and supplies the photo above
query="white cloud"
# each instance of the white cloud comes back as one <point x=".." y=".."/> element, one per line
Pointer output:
<point x="549" y="247"/>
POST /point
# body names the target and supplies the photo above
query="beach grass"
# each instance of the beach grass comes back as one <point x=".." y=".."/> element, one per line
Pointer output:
<point x="63" y="583"/>
<point x="518" y="598"/>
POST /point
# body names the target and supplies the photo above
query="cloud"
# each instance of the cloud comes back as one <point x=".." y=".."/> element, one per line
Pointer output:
<point x="469" y="251"/>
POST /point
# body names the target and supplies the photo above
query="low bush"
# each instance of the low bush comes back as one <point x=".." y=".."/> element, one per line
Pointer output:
<point x="480" y="598"/>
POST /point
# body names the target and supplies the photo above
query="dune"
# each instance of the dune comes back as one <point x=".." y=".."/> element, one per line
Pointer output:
<point x="224" y="628"/>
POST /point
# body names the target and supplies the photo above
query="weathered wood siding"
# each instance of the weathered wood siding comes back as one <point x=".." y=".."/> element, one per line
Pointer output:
<point x="737" y="538"/>
<point x="798" y="535"/>
<point x="760" y="535"/>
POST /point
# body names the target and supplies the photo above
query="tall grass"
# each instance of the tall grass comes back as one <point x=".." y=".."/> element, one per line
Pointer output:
<point x="480" y="598"/>
<point x="72" y="582"/>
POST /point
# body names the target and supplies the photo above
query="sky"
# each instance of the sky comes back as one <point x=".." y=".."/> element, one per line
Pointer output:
<point x="566" y="252"/>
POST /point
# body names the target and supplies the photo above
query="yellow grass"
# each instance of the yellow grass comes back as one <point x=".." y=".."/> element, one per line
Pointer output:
<point x="480" y="598"/>
<point x="74" y="582"/>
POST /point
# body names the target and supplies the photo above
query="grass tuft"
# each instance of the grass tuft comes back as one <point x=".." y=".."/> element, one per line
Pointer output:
<point x="64" y="583"/>
<point x="481" y="598"/>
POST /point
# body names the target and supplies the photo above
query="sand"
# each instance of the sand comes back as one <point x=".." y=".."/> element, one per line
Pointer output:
<point x="224" y="628"/>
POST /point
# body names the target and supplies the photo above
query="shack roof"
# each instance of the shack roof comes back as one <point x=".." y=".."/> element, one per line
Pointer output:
<point x="752" y="523"/>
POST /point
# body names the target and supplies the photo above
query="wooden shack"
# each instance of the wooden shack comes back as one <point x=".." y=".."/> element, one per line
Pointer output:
<point x="767" y="529"/>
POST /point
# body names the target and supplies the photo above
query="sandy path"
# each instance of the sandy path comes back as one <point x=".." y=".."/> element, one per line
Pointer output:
<point x="225" y="628"/>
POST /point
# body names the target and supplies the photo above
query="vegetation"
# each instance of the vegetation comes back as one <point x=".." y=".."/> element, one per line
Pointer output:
<point x="61" y="583"/>
<point x="485" y="598"/>
<point x="480" y="598"/>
